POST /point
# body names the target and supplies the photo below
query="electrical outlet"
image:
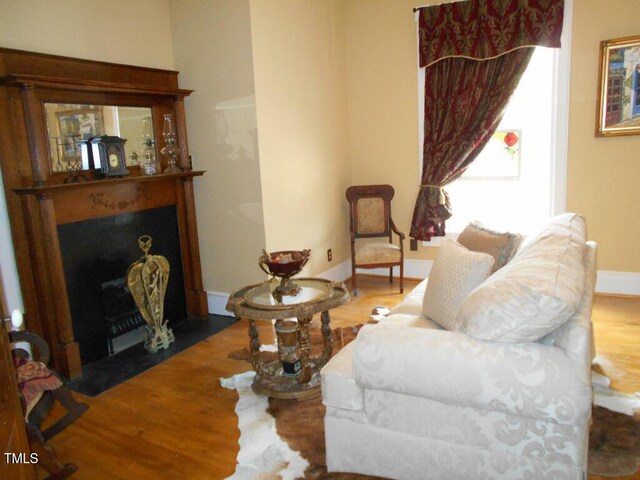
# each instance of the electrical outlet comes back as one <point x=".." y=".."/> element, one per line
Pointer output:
<point x="329" y="255"/>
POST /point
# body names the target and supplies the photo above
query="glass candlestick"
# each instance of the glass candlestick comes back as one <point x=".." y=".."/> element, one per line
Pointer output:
<point x="170" y="149"/>
<point x="147" y="131"/>
<point x="148" y="165"/>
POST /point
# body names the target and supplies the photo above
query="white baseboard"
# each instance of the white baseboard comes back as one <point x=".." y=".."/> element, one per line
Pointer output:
<point x="620" y="283"/>
<point x="412" y="269"/>
<point x="608" y="282"/>
<point x="339" y="273"/>
<point x="216" y="302"/>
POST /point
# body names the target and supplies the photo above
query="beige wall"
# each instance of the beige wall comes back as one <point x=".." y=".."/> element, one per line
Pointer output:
<point x="213" y="51"/>
<point x="334" y="102"/>
<point x="383" y="102"/>
<point x="120" y="31"/>
<point x="299" y="53"/>
<point x="603" y="173"/>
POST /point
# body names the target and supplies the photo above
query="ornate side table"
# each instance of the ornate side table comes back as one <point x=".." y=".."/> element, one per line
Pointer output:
<point x="296" y="374"/>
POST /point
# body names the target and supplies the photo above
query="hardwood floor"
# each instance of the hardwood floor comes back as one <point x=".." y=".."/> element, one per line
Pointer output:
<point x="176" y="422"/>
<point x="616" y="324"/>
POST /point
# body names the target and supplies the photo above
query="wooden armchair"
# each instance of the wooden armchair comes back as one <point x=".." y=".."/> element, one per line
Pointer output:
<point x="370" y="210"/>
<point x="37" y="407"/>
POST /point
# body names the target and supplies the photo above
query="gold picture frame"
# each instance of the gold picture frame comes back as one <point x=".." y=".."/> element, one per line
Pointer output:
<point x="619" y="87"/>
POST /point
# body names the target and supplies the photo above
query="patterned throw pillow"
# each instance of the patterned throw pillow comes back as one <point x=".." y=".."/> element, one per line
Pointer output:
<point x="34" y="378"/>
<point x="534" y="293"/>
<point x="500" y="245"/>
<point x="455" y="273"/>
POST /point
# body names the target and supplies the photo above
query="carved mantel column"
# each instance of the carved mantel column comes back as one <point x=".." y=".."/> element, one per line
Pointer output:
<point x="34" y="122"/>
<point x="50" y="282"/>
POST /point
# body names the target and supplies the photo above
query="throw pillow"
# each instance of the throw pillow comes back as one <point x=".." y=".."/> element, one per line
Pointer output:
<point x="455" y="273"/>
<point x="568" y="224"/>
<point x="535" y="293"/>
<point x="500" y="245"/>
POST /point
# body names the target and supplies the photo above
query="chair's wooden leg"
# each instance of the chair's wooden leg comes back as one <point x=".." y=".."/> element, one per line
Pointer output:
<point x="401" y="276"/>
<point x="353" y="279"/>
<point x="390" y="274"/>
<point x="74" y="410"/>
<point x="47" y="458"/>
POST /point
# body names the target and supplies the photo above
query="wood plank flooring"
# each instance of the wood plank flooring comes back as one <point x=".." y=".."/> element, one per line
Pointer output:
<point x="176" y="422"/>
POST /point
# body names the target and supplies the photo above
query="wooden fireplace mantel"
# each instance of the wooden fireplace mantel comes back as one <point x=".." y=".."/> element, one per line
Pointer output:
<point x="99" y="198"/>
<point x="60" y="187"/>
<point x="39" y="201"/>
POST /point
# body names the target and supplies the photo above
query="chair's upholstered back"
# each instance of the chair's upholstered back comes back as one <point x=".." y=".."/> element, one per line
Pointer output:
<point x="370" y="208"/>
<point x="371" y="218"/>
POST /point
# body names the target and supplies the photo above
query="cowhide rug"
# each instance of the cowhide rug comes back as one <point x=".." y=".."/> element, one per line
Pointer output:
<point x="614" y="438"/>
<point x="285" y="438"/>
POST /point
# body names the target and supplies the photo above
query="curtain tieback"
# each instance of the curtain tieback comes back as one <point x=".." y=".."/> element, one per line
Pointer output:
<point x="441" y="197"/>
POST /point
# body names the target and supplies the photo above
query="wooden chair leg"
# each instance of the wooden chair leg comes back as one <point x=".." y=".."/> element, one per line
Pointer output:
<point x="390" y="274"/>
<point x="401" y="277"/>
<point x="353" y="279"/>
<point x="74" y="410"/>
<point x="47" y="458"/>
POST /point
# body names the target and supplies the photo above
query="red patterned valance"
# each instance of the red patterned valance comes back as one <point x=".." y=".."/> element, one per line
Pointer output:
<point x="482" y="29"/>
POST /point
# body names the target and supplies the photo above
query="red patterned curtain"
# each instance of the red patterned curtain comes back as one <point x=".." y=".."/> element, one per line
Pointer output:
<point x="475" y="53"/>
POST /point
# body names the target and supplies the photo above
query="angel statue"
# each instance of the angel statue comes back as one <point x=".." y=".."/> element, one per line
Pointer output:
<point x="147" y="280"/>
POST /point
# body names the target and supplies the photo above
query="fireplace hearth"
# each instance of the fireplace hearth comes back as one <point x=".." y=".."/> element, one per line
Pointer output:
<point x="99" y="376"/>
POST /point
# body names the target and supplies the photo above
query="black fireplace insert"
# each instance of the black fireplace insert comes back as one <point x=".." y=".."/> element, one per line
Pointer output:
<point x="98" y="252"/>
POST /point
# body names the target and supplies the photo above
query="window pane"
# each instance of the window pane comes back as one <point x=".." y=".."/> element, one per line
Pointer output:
<point x="513" y="201"/>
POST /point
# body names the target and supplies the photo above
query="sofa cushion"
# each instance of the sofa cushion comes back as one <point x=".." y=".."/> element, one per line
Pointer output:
<point x="501" y="246"/>
<point x="567" y="224"/>
<point x="456" y="272"/>
<point x="409" y="320"/>
<point x="339" y="388"/>
<point x="536" y="292"/>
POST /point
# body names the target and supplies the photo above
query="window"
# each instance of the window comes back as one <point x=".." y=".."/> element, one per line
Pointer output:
<point x="515" y="182"/>
<point x="523" y="200"/>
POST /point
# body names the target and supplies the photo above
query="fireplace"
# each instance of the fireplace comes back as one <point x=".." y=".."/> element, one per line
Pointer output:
<point x="45" y="205"/>
<point x="99" y="251"/>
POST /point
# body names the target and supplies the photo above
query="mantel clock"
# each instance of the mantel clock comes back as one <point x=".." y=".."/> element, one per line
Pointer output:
<point x="108" y="156"/>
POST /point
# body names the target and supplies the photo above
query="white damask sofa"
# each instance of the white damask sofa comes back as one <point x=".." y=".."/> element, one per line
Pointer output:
<point x="503" y="393"/>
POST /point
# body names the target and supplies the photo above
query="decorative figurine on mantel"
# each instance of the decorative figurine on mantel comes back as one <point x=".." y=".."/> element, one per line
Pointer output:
<point x="147" y="280"/>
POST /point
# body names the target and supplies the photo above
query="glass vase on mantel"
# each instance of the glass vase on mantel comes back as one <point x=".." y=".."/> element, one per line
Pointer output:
<point x="170" y="149"/>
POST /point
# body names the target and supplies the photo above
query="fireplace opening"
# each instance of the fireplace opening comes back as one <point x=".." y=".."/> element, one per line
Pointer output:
<point x="96" y="255"/>
<point x="121" y="315"/>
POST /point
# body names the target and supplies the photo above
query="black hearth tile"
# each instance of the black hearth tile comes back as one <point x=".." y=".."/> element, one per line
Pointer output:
<point x="108" y="372"/>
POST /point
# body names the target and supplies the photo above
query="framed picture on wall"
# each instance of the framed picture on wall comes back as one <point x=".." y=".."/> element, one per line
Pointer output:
<point x="619" y="87"/>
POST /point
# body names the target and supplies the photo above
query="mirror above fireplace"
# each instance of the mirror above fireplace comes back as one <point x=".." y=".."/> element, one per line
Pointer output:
<point x="68" y="125"/>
